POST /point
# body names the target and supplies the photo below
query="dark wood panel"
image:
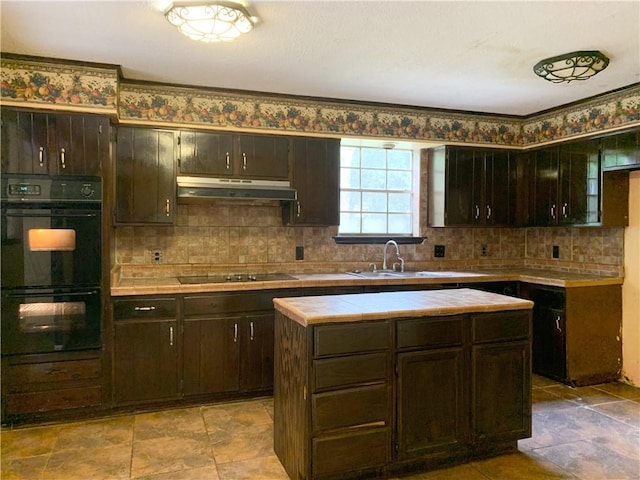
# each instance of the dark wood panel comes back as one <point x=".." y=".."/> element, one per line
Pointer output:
<point x="351" y="370"/>
<point x="206" y="153"/>
<point x="351" y="338"/>
<point x="227" y="303"/>
<point x="16" y="376"/>
<point x="46" y="401"/>
<point x="429" y="332"/>
<point x="493" y="327"/>
<point x="142" y="307"/>
<point x="263" y="156"/>
<point x="350" y="407"/>
<point x="256" y="352"/>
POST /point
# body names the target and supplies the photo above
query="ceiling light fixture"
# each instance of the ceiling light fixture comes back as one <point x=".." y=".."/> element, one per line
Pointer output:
<point x="571" y="66"/>
<point x="210" y="22"/>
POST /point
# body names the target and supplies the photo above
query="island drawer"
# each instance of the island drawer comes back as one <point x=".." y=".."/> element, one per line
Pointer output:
<point x="362" y="448"/>
<point x="350" y="338"/>
<point x="491" y="327"/>
<point x="227" y="303"/>
<point x="430" y="332"/>
<point x="350" y="407"/>
<point x="144" y="308"/>
<point x="351" y="370"/>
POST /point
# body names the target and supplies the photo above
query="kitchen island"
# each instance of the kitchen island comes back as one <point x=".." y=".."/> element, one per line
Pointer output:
<point x="370" y="385"/>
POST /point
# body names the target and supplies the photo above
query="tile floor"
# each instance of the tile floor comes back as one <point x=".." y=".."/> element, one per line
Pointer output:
<point x="584" y="433"/>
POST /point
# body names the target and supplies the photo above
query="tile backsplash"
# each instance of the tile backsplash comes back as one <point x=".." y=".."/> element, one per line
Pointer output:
<point x="229" y="236"/>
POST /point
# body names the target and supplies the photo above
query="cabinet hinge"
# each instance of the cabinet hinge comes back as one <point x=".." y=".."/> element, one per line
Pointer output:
<point x="396" y="447"/>
<point x="179" y="139"/>
<point x="100" y="129"/>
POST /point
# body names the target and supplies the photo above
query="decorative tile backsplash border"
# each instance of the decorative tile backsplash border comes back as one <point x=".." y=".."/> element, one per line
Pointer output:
<point x="38" y="83"/>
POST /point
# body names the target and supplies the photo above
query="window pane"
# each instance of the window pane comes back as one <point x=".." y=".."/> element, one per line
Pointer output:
<point x="350" y="223"/>
<point x="399" y="223"/>
<point x="374" y="223"/>
<point x="373" y="158"/>
<point x="349" y="178"/>
<point x="374" y="179"/>
<point x="400" y="202"/>
<point x="374" y="202"/>
<point x="399" y="159"/>
<point x="398" y="180"/>
<point x="349" y="157"/>
<point x="350" y="201"/>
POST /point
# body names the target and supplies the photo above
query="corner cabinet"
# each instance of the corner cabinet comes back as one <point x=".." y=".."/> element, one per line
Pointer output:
<point x="145" y="176"/>
<point x="472" y="187"/>
<point x="37" y="143"/>
<point x="621" y="152"/>
<point x="316" y="177"/>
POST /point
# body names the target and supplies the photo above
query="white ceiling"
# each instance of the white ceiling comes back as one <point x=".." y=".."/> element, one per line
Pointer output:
<point x="464" y="55"/>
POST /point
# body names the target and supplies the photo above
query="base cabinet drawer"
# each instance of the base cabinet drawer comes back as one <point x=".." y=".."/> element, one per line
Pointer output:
<point x="52" y="372"/>
<point x="341" y="453"/>
<point x="350" y="407"/>
<point x="46" y="401"/>
<point x="349" y="371"/>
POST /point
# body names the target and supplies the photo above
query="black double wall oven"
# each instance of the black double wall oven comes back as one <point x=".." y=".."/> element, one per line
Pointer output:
<point x="51" y="264"/>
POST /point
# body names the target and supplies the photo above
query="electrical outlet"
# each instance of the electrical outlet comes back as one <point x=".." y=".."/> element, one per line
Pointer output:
<point x="299" y="253"/>
<point x="483" y="250"/>
<point x="438" y="251"/>
<point x="156" y="256"/>
<point x="556" y="251"/>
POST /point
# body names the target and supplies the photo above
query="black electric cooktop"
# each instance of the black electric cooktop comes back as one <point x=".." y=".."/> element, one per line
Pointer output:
<point x="239" y="277"/>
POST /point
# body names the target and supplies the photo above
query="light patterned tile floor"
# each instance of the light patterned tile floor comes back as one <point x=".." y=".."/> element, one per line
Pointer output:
<point x="578" y="433"/>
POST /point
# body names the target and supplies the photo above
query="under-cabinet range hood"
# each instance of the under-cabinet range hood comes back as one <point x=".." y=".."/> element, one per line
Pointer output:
<point x="244" y="189"/>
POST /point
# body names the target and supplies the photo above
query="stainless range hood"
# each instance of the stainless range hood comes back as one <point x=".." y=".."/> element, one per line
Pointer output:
<point x="208" y="187"/>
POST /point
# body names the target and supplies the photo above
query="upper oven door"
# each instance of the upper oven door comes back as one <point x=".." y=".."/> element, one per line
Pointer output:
<point x="48" y="246"/>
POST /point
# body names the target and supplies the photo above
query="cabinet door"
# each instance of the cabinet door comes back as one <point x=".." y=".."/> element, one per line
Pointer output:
<point x="263" y="156"/>
<point x="501" y="396"/>
<point x="546" y="186"/>
<point x="499" y="206"/>
<point x="256" y="352"/>
<point x="204" y="153"/>
<point x="24" y="142"/>
<point x="431" y="418"/>
<point x="316" y="177"/>
<point x="145" y="176"/>
<point x="146" y="361"/>
<point x="81" y="144"/>
<point x="549" y="341"/>
<point x="211" y="355"/>
<point x="463" y="179"/>
<point x="621" y="152"/>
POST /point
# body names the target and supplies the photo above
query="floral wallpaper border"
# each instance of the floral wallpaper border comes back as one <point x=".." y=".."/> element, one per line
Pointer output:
<point x="80" y="87"/>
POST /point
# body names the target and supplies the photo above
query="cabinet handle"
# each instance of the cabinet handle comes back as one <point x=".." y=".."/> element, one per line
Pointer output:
<point x="145" y="309"/>
<point x="564" y="210"/>
<point x="228" y="160"/>
<point x="553" y="211"/>
<point x="235" y="332"/>
<point x="62" y="158"/>
<point x="558" y="323"/>
<point x="297" y="209"/>
<point x="41" y="156"/>
<point x="244" y="161"/>
<point x="166" y="208"/>
<point x="251" y="330"/>
<point x="55" y="371"/>
<point x="477" y="212"/>
<point x="171" y="336"/>
<point x="488" y="212"/>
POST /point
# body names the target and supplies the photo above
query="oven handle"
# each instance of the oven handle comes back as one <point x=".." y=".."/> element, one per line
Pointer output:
<point x="33" y="294"/>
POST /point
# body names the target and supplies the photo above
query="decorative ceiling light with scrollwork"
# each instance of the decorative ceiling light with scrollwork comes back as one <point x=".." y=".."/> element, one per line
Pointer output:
<point x="210" y="22"/>
<point x="571" y="66"/>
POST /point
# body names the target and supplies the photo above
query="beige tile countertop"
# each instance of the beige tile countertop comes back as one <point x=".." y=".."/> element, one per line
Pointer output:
<point x="377" y="306"/>
<point x="171" y="285"/>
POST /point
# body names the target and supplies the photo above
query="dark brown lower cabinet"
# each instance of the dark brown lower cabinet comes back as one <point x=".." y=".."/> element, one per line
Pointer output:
<point x="384" y="397"/>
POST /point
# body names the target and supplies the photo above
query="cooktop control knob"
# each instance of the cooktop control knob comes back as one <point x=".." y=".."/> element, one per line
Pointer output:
<point x="87" y="191"/>
<point x="252" y="278"/>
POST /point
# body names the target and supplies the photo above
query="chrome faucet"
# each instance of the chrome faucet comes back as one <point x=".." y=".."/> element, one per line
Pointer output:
<point x="384" y="255"/>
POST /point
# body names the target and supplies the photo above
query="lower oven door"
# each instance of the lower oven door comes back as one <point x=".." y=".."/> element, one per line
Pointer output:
<point x="50" y="320"/>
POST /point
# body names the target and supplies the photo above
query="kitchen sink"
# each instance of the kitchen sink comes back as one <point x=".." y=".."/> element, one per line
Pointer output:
<point x="409" y="274"/>
<point x="238" y="277"/>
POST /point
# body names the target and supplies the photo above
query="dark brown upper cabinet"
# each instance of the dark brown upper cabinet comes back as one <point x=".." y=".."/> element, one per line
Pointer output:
<point x="233" y="155"/>
<point x="37" y="143"/>
<point x="472" y="187"/>
<point x="145" y="176"/>
<point x="316" y="177"/>
<point x="621" y="152"/>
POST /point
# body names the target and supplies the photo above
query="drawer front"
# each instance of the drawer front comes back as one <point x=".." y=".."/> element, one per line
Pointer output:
<point x="351" y="407"/>
<point x="33" y="402"/>
<point x="227" y="303"/>
<point x="30" y="373"/>
<point x="430" y="332"/>
<point x="491" y="327"/>
<point x="350" y="338"/>
<point x="353" y="370"/>
<point x="355" y="450"/>
<point x="144" y="308"/>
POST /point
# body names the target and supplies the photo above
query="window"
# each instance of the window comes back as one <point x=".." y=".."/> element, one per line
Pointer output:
<point x="377" y="192"/>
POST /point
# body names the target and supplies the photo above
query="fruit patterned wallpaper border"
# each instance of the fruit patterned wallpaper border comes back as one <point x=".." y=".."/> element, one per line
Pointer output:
<point x="83" y="87"/>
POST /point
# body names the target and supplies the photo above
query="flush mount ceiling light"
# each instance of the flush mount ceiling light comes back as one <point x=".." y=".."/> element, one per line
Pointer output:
<point x="571" y="66"/>
<point x="210" y="22"/>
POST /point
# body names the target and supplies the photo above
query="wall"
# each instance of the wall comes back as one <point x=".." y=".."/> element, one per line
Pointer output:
<point x="631" y="287"/>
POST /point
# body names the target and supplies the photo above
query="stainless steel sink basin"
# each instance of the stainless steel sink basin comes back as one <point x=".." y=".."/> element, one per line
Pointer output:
<point x="424" y="273"/>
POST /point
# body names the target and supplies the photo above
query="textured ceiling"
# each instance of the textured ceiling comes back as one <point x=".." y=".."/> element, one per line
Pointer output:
<point x="463" y="55"/>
